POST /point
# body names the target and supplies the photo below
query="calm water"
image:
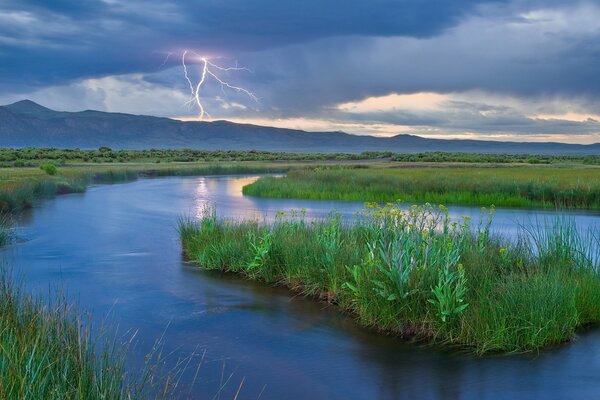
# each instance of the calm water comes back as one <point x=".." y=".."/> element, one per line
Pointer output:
<point x="116" y="250"/>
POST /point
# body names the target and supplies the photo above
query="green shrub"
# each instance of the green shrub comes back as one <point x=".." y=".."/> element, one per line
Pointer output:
<point x="49" y="168"/>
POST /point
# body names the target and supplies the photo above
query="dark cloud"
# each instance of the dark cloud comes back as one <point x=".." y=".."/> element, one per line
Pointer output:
<point x="50" y="42"/>
<point x="309" y="56"/>
<point x="534" y="59"/>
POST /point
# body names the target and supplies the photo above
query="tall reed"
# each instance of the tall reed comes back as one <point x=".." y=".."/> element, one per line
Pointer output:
<point x="47" y="351"/>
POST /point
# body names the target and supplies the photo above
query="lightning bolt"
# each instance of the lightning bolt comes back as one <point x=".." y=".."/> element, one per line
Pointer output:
<point x="208" y="71"/>
<point x="165" y="60"/>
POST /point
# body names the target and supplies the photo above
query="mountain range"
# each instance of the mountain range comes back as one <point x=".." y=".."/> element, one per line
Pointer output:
<point x="28" y="124"/>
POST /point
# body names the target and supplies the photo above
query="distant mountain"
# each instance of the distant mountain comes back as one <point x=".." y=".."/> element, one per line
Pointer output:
<point x="28" y="124"/>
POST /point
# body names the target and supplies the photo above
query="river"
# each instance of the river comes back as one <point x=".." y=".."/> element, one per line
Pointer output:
<point x="115" y="250"/>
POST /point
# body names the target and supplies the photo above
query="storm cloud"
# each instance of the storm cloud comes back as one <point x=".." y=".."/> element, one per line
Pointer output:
<point x="530" y="65"/>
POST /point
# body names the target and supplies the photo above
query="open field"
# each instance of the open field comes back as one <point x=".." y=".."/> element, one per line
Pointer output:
<point x="418" y="274"/>
<point x="571" y="186"/>
<point x="445" y="178"/>
<point x="33" y="157"/>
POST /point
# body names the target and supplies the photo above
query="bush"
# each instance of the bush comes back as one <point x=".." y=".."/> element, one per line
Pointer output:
<point x="49" y="168"/>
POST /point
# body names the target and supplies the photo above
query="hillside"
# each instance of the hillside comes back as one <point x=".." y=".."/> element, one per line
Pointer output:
<point x="28" y="124"/>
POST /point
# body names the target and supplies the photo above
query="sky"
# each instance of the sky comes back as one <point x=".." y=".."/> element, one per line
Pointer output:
<point x="525" y="70"/>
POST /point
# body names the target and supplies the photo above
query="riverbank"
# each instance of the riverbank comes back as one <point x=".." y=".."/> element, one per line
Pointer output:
<point x="524" y="186"/>
<point x="21" y="187"/>
<point x="417" y="274"/>
<point x="47" y="352"/>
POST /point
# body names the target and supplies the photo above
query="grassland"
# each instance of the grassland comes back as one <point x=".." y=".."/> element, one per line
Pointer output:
<point x="418" y="274"/>
<point x="571" y="186"/>
<point x="445" y="178"/>
<point x="33" y="157"/>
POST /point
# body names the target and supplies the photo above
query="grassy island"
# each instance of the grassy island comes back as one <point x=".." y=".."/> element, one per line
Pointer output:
<point x="571" y="186"/>
<point x="418" y="274"/>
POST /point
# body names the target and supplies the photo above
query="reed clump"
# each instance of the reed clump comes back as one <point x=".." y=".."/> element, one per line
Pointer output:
<point x="418" y="274"/>
<point x="47" y="351"/>
<point x="6" y="235"/>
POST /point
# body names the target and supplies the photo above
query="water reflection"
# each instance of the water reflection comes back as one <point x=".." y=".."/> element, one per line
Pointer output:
<point x="226" y="194"/>
<point x="115" y="249"/>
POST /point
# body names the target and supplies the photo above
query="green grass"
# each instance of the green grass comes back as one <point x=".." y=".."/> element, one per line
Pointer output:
<point x="30" y="156"/>
<point x="522" y="186"/>
<point x="34" y="157"/>
<point x="47" y="352"/>
<point x="418" y="274"/>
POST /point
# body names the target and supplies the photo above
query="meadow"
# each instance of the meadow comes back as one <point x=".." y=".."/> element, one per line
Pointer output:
<point x="569" y="186"/>
<point x="445" y="178"/>
<point x="34" y="157"/>
<point x="418" y="274"/>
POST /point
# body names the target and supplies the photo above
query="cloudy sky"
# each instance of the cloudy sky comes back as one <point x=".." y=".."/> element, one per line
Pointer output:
<point x="526" y="70"/>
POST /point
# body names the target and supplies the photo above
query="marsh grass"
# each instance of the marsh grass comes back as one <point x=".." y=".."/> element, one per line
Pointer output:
<point x="523" y="186"/>
<point x="47" y="351"/>
<point x="417" y="273"/>
<point x="21" y="188"/>
<point x="6" y="235"/>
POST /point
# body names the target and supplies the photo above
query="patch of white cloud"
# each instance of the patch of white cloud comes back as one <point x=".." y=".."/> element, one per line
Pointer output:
<point x="423" y="101"/>
<point x="577" y="18"/>
<point x="487" y="104"/>
<point x="134" y="94"/>
<point x="125" y="93"/>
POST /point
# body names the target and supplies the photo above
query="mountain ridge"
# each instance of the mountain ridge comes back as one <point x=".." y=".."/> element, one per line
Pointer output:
<point x="29" y="124"/>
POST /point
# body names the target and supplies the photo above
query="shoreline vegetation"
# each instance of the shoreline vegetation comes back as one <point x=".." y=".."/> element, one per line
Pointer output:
<point x="47" y="351"/>
<point x="20" y="188"/>
<point x="576" y="187"/>
<point x="417" y="274"/>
